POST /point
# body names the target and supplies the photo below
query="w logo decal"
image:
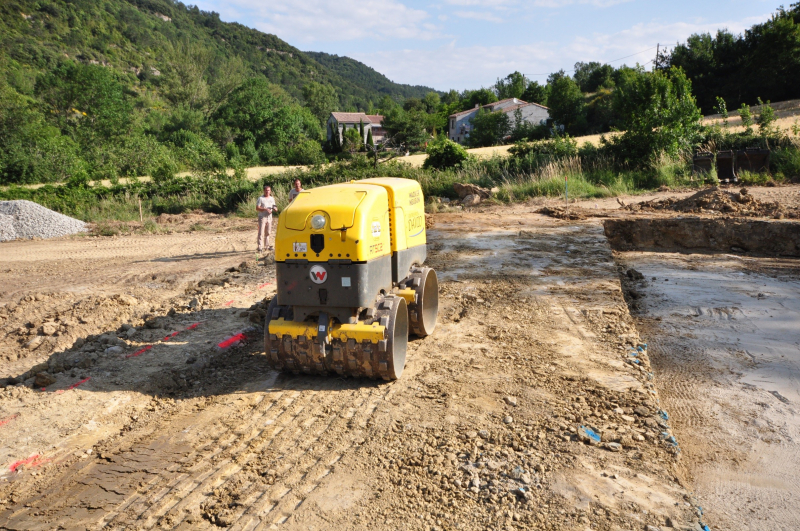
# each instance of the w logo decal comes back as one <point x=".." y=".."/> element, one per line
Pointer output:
<point x="318" y="274"/>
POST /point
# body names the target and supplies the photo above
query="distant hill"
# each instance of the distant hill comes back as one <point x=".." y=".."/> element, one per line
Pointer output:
<point x="366" y="77"/>
<point x="137" y="37"/>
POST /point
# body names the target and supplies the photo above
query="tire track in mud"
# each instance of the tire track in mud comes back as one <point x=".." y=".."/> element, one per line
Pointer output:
<point x="169" y="478"/>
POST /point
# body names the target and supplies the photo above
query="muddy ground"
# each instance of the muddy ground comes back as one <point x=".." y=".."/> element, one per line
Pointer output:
<point x="137" y="394"/>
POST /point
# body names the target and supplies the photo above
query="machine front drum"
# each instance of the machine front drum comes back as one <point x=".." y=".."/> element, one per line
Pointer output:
<point x="397" y="339"/>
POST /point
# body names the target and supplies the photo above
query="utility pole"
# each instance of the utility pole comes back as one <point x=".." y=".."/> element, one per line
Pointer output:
<point x="656" y="62"/>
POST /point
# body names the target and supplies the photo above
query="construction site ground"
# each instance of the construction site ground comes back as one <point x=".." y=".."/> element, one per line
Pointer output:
<point x="135" y="393"/>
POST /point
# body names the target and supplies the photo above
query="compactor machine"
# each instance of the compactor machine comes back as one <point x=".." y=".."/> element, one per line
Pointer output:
<point x="351" y="284"/>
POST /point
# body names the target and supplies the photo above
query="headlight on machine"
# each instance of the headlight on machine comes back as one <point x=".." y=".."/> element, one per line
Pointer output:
<point x="318" y="222"/>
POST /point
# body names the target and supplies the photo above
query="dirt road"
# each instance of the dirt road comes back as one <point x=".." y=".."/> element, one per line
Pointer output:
<point x="146" y="401"/>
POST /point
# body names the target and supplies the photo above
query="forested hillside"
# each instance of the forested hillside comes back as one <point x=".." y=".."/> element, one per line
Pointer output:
<point x="108" y="88"/>
<point x="368" y="78"/>
<point x="140" y="36"/>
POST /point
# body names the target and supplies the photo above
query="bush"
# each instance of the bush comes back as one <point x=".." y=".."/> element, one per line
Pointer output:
<point x="445" y="154"/>
<point x="305" y="152"/>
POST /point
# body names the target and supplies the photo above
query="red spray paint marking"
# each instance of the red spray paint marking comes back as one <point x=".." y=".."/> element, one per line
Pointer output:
<point x="148" y="347"/>
<point x="139" y="352"/>
<point x="264" y="285"/>
<point x="228" y="303"/>
<point x="173" y="334"/>
<point x="8" y="420"/>
<point x="248" y="293"/>
<point x="76" y="384"/>
<point x="230" y="341"/>
<point x="34" y="460"/>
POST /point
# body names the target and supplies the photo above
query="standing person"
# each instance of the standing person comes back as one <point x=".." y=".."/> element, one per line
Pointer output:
<point x="265" y="207"/>
<point x="296" y="189"/>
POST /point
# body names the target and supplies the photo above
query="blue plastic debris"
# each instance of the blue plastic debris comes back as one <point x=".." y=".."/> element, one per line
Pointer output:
<point x="589" y="432"/>
<point x="663" y="414"/>
<point x="706" y="528"/>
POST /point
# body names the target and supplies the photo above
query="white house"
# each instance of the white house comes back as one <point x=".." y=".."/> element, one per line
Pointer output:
<point x="339" y="121"/>
<point x="461" y="122"/>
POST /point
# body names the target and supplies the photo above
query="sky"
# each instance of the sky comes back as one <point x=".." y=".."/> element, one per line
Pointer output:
<point x="468" y="44"/>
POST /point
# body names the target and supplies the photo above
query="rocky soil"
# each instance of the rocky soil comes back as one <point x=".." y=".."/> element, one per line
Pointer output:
<point x="714" y="201"/>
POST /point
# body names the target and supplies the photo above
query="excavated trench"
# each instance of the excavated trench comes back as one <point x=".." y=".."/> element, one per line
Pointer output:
<point x="695" y="234"/>
<point x="718" y="301"/>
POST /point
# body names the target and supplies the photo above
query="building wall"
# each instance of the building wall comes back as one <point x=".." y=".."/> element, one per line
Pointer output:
<point x="332" y="124"/>
<point x="460" y="126"/>
<point x="532" y="114"/>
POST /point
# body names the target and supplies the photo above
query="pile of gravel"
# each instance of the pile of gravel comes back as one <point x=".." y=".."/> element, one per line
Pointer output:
<point x="26" y="219"/>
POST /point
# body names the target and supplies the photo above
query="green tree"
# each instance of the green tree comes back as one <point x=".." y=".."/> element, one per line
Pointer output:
<point x="489" y="128"/>
<point x="512" y="86"/>
<point x="444" y="154"/>
<point x="747" y="118"/>
<point x="535" y="93"/>
<point x="591" y="76"/>
<point x="370" y="141"/>
<point x="432" y="102"/>
<point x="320" y="99"/>
<point x="31" y="151"/>
<point x="722" y="110"/>
<point x="351" y="141"/>
<point x="766" y="118"/>
<point x="567" y="105"/>
<point x="480" y="97"/>
<point x="658" y="113"/>
<point x="86" y="101"/>
<point x="406" y="128"/>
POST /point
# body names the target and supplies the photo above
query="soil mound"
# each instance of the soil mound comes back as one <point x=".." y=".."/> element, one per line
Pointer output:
<point x="26" y="219"/>
<point x="716" y="201"/>
<point x="561" y="213"/>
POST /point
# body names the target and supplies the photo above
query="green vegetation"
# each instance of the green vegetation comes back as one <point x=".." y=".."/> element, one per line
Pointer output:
<point x="445" y="154"/>
<point x="102" y="89"/>
<point x="763" y="62"/>
<point x="107" y="89"/>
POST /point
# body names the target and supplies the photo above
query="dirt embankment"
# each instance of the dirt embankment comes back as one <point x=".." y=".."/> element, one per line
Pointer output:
<point x="715" y="201"/>
<point x="702" y="234"/>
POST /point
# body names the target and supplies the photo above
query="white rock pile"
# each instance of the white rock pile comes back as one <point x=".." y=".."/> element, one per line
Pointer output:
<point x="26" y="219"/>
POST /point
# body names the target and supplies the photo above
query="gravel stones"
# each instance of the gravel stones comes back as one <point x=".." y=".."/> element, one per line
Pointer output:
<point x="7" y="230"/>
<point x="26" y="219"/>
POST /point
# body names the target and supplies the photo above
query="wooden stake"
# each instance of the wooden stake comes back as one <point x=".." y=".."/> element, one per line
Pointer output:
<point x="141" y="219"/>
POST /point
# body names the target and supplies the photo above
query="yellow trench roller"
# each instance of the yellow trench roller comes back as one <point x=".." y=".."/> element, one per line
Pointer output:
<point x="351" y="284"/>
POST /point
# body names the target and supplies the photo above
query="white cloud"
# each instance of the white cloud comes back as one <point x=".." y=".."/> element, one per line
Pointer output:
<point x="478" y="15"/>
<point x="317" y="20"/>
<point x="454" y="66"/>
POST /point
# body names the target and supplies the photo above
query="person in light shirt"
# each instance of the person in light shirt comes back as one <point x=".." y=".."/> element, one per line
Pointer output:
<point x="296" y="189"/>
<point x="265" y="207"/>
